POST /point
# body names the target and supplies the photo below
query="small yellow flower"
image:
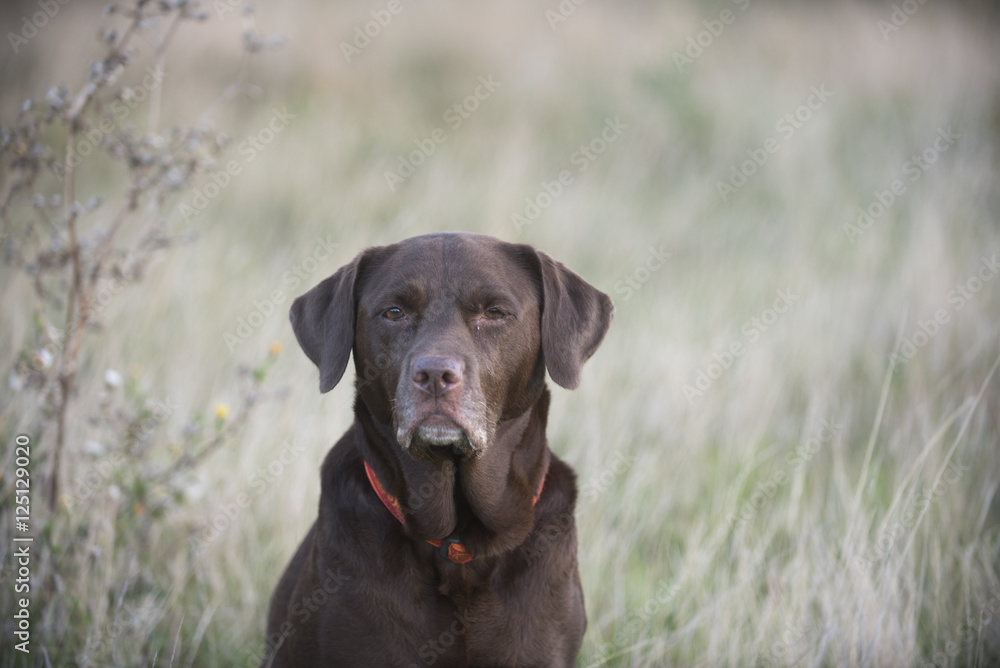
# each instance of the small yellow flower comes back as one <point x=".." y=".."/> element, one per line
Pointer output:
<point x="138" y="509"/>
<point x="275" y="349"/>
<point x="221" y="411"/>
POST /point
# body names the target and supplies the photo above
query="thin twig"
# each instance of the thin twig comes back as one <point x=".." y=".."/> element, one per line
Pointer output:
<point x="67" y="360"/>
<point x="161" y="59"/>
<point x="188" y="461"/>
<point x="131" y="204"/>
<point x="78" y="302"/>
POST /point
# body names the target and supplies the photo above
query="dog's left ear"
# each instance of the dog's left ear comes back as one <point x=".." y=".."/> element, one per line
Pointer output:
<point x="323" y="321"/>
<point x="575" y="318"/>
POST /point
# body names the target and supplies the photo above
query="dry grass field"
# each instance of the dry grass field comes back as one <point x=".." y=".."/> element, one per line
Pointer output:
<point x="788" y="447"/>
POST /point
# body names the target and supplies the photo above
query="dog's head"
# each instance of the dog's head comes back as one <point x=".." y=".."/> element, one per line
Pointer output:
<point x="452" y="334"/>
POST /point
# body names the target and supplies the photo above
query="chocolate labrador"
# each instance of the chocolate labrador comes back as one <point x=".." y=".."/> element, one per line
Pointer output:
<point x="445" y="534"/>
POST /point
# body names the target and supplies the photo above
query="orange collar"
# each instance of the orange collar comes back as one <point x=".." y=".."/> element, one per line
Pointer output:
<point x="454" y="551"/>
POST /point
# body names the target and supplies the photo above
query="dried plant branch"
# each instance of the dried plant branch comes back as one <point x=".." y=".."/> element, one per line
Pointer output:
<point x="66" y="250"/>
<point x="47" y="247"/>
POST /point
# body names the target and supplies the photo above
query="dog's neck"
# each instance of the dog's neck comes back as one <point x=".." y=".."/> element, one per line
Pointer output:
<point x="485" y="500"/>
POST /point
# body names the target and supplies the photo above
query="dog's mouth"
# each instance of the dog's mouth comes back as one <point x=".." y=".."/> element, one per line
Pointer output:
<point x="438" y="435"/>
<point x="441" y="430"/>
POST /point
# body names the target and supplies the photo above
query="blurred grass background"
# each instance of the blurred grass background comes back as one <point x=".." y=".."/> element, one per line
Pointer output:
<point x="860" y="552"/>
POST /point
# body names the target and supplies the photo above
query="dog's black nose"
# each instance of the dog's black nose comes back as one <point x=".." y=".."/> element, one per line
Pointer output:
<point x="436" y="375"/>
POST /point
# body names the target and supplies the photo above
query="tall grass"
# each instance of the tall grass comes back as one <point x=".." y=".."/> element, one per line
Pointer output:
<point x="816" y="502"/>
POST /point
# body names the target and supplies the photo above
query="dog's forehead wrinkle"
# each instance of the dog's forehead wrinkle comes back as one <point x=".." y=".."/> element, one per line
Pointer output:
<point x="408" y="289"/>
<point x="458" y="269"/>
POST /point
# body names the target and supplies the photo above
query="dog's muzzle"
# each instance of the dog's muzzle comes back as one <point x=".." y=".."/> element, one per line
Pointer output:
<point x="436" y="410"/>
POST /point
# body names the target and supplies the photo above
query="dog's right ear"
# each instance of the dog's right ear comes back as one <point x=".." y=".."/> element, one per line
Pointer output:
<point x="323" y="321"/>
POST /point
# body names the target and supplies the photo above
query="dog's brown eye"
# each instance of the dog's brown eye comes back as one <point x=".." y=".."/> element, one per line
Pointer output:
<point x="494" y="313"/>
<point x="393" y="313"/>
